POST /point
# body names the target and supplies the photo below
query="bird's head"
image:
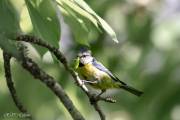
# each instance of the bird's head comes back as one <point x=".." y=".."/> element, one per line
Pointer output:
<point x="85" y="56"/>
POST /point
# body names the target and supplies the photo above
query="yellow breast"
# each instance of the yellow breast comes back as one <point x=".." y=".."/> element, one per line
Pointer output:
<point x="91" y="73"/>
<point x="87" y="71"/>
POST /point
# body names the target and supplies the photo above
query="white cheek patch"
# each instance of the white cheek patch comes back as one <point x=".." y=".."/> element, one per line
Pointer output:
<point x="86" y="60"/>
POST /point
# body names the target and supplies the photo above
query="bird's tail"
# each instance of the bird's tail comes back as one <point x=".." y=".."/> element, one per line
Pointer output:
<point x="131" y="90"/>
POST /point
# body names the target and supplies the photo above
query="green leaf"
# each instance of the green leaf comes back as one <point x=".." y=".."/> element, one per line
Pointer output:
<point x="82" y="10"/>
<point x="79" y="21"/>
<point x="9" y="23"/>
<point x="78" y="27"/>
<point x="9" y="46"/>
<point x="9" y="27"/>
<point x="78" y="10"/>
<point x="75" y="63"/>
<point x="45" y="21"/>
<point x="105" y="26"/>
<point x="107" y="29"/>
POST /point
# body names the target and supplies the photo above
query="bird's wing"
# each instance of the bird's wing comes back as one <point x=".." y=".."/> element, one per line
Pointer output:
<point x="101" y="67"/>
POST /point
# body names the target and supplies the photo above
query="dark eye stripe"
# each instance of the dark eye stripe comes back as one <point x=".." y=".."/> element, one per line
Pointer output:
<point x="84" y="56"/>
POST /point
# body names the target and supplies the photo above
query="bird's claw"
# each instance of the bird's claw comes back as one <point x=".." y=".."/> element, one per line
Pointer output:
<point x="96" y="98"/>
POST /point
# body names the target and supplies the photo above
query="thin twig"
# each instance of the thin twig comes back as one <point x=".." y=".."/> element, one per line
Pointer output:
<point x="11" y="87"/>
<point x="97" y="108"/>
<point x="63" y="60"/>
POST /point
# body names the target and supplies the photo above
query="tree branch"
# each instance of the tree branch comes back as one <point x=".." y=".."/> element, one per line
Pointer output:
<point x="11" y="87"/>
<point x="56" y="52"/>
<point x="63" y="60"/>
<point x="34" y="69"/>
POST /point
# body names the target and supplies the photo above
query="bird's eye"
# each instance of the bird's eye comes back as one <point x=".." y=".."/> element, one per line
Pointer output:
<point x="83" y="56"/>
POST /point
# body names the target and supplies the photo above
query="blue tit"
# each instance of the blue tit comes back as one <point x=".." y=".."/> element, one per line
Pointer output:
<point x="96" y="75"/>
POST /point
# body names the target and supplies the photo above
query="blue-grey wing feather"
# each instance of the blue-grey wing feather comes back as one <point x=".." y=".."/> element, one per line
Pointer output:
<point x="101" y="67"/>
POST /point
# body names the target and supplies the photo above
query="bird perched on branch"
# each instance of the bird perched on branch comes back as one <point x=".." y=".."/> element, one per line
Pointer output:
<point x="98" y="76"/>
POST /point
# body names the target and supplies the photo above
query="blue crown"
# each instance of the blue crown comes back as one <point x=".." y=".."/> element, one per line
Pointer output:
<point x="84" y="49"/>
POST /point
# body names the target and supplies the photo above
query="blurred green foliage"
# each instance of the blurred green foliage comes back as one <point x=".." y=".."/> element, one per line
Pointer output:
<point x="147" y="57"/>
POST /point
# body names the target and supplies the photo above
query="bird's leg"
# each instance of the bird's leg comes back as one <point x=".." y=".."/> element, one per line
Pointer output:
<point x="102" y="91"/>
<point x="107" y="99"/>
<point x="87" y="81"/>
<point x="96" y="98"/>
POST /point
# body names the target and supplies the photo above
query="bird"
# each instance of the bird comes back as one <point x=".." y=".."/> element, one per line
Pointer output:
<point x="98" y="76"/>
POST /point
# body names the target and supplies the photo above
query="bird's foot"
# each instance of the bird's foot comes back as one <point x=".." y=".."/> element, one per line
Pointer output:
<point x="110" y="99"/>
<point x="95" y="98"/>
